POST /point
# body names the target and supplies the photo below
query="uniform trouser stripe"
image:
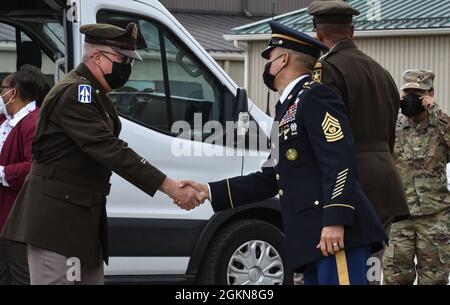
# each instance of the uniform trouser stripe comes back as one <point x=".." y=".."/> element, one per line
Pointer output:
<point x="342" y="268"/>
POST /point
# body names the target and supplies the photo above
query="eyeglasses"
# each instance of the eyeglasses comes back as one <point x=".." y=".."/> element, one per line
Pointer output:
<point x="126" y="60"/>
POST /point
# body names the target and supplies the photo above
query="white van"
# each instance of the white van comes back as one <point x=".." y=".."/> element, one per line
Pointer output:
<point x="151" y="239"/>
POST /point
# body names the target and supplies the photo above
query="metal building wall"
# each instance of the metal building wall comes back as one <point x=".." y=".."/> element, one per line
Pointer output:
<point x="396" y="54"/>
<point x="235" y="69"/>
<point x="257" y="91"/>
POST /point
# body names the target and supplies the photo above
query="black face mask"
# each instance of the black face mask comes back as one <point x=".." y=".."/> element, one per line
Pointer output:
<point x="268" y="78"/>
<point x="119" y="75"/>
<point x="412" y="105"/>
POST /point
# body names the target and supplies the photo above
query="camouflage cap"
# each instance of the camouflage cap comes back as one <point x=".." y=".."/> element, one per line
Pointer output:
<point x="121" y="40"/>
<point x="418" y="79"/>
<point x="332" y="11"/>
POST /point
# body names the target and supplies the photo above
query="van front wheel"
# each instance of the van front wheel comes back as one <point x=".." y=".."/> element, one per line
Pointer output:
<point x="247" y="252"/>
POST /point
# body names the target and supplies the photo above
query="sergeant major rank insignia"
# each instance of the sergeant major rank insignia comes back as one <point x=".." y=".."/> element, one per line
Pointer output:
<point x="332" y="129"/>
<point x="84" y="94"/>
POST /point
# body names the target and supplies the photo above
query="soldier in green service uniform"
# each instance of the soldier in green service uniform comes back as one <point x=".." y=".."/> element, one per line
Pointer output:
<point x="60" y="212"/>
<point x="422" y="151"/>
<point x="372" y="102"/>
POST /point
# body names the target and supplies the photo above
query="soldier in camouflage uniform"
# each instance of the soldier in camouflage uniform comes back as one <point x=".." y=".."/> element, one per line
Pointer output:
<point x="422" y="152"/>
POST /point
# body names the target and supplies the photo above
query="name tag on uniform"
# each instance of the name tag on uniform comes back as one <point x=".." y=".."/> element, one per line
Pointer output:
<point x="84" y="94"/>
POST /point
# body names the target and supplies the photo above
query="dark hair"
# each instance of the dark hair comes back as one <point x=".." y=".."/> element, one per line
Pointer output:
<point x="30" y="84"/>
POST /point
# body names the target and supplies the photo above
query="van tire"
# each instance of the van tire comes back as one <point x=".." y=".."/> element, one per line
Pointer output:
<point x="233" y="236"/>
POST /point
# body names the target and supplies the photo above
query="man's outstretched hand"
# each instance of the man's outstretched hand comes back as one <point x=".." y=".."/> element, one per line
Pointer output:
<point x="201" y="189"/>
<point x="185" y="197"/>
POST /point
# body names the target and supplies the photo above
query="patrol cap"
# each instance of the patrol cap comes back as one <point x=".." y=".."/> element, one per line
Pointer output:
<point x="124" y="41"/>
<point x="285" y="37"/>
<point x="418" y="79"/>
<point x="331" y="11"/>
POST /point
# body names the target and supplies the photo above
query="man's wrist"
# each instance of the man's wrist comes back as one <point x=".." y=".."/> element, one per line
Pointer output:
<point x="167" y="186"/>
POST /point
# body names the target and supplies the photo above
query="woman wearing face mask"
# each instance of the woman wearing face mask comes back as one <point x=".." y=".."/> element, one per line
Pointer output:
<point x="422" y="151"/>
<point x="21" y="93"/>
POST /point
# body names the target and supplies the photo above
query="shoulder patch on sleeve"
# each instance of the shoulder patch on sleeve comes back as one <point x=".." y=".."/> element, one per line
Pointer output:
<point x="84" y="94"/>
<point x="332" y="128"/>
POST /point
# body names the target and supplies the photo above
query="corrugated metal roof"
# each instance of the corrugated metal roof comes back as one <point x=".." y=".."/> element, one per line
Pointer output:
<point x="262" y="8"/>
<point x="7" y="33"/>
<point x="209" y="29"/>
<point x="394" y="15"/>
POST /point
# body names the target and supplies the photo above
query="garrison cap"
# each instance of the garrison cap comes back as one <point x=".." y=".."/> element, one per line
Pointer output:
<point x="418" y="79"/>
<point x="331" y="11"/>
<point x="122" y="40"/>
<point x="285" y="37"/>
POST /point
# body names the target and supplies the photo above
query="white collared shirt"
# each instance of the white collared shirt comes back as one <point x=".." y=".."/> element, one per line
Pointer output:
<point x="7" y="126"/>
<point x="291" y="86"/>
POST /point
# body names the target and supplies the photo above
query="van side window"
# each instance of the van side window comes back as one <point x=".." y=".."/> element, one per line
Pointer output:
<point x="143" y="98"/>
<point x="169" y="85"/>
<point x="192" y="89"/>
<point x="18" y="49"/>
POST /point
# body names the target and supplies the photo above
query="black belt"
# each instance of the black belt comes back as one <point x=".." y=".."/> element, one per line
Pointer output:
<point x="373" y="147"/>
<point x="55" y="173"/>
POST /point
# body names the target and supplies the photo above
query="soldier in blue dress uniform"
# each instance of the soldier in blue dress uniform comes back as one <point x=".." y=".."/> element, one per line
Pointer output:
<point x="331" y="228"/>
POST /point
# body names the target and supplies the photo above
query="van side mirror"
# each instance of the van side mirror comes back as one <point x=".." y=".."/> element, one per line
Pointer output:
<point x="242" y="116"/>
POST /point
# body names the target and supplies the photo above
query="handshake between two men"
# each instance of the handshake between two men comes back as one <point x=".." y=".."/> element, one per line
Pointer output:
<point x="187" y="194"/>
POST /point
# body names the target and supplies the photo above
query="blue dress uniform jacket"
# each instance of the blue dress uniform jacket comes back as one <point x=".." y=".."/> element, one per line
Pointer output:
<point x="315" y="177"/>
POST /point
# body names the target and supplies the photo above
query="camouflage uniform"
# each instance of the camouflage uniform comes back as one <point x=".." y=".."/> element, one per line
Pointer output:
<point x="422" y="153"/>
